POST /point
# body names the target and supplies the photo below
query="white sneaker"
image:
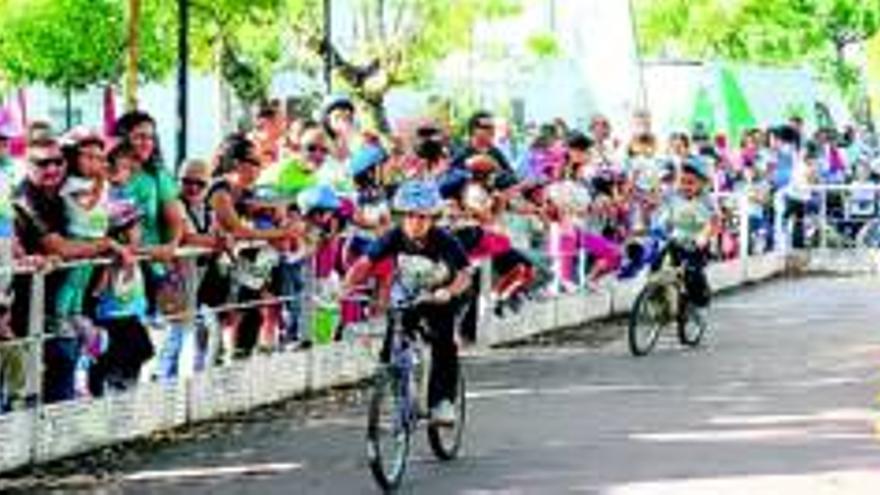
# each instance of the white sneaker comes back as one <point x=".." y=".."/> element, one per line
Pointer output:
<point x="702" y="315"/>
<point x="443" y="414"/>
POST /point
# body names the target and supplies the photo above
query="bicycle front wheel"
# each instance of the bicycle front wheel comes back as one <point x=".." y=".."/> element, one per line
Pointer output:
<point x="649" y="315"/>
<point x="445" y="440"/>
<point x="389" y="426"/>
<point x="692" y="325"/>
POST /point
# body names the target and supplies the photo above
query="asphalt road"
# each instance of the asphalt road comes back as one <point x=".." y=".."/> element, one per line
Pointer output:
<point x="780" y="399"/>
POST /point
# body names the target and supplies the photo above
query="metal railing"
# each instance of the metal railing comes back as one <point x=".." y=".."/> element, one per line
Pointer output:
<point x="197" y="394"/>
<point x="566" y="269"/>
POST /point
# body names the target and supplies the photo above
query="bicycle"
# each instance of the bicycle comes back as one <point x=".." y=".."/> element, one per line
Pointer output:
<point x="662" y="301"/>
<point x="403" y="380"/>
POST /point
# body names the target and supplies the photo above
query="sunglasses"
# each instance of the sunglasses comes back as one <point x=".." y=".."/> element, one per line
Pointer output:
<point x="316" y="148"/>
<point x="486" y="126"/>
<point x="142" y="136"/>
<point x="194" y="183"/>
<point x="48" y="162"/>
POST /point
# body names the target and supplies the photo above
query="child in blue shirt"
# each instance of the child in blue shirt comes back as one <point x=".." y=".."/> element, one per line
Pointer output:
<point x="122" y="307"/>
<point x="688" y="219"/>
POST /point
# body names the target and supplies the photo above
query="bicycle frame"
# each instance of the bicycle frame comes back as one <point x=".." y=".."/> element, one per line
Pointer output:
<point x="672" y="279"/>
<point x="407" y="355"/>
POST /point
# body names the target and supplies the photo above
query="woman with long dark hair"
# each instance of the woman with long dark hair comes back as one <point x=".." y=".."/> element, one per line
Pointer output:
<point x="151" y="185"/>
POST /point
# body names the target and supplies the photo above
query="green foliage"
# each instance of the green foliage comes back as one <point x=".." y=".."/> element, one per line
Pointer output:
<point x="761" y="31"/>
<point x="62" y="43"/>
<point x="397" y="42"/>
<point x="74" y="44"/>
<point x="157" y="40"/>
<point x="240" y="39"/>
<point x="544" y="46"/>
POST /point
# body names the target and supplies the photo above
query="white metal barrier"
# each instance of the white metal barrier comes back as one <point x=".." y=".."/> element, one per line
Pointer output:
<point x="53" y="431"/>
<point x="841" y="228"/>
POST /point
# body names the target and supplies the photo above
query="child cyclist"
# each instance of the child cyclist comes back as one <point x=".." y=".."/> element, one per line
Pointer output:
<point x="426" y="253"/>
<point x="689" y="221"/>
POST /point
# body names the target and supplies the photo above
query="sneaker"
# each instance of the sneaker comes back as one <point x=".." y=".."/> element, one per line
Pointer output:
<point x="443" y="414"/>
<point x="515" y="303"/>
<point x="594" y="286"/>
<point x="702" y="314"/>
<point x="630" y="270"/>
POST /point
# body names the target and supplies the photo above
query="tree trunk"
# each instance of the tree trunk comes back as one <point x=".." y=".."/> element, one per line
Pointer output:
<point x="134" y="14"/>
<point x="378" y="113"/>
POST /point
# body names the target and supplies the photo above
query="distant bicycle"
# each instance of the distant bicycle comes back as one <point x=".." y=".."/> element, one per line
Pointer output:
<point x="399" y="403"/>
<point x="869" y="235"/>
<point x="661" y="303"/>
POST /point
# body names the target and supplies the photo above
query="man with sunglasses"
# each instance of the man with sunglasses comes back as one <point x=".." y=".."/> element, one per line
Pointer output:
<point x="40" y="229"/>
<point x="481" y="127"/>
<point x="427" y="260"/>
<point x="294" y="174"/>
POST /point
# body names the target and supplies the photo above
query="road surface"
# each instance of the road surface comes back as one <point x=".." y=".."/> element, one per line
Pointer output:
<point x="781" y="399"/>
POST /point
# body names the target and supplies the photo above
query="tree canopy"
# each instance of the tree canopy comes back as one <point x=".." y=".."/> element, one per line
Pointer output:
<point x="73" y="44"/>
<point x="394" y="42"/>
<point x="817" y="32"/>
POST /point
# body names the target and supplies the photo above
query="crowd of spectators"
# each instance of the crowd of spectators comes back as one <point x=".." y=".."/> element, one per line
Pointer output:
<point x="294" y="199"/>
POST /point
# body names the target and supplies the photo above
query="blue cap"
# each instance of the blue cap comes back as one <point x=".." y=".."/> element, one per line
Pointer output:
<point x="320" y="197"/>
<point x="267" y="193"/>
<point x="367" y="158"/>
<point x="697" y="166"/>
<point x="418" y="196"/>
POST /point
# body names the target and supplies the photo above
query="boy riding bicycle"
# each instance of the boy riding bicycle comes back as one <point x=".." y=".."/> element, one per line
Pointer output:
<point x="689" y="221"/>
<point x="427" y="261"/>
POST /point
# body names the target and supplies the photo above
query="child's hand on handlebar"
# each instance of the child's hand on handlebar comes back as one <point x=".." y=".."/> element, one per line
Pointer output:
<point x="441" y="296"/>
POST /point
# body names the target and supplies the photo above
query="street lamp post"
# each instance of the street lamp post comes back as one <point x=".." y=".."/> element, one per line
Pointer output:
<point x="643" y="89"/>
<point x="328" y="45"/>
<point x="182" y="78"/>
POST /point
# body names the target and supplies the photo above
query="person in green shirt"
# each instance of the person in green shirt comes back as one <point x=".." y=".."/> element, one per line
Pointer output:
<point x="299" y="172"/>
<point x="152" y="187"/>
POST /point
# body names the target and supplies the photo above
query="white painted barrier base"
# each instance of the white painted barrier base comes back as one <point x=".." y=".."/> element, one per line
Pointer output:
<point x="62" y="430"/>
<point x="845" y="262"/>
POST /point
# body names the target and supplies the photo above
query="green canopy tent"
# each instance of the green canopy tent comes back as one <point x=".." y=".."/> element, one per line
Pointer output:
<point x="732" y="114"/>
<point x="739" y="114"/>
<point x="704" y="111"/>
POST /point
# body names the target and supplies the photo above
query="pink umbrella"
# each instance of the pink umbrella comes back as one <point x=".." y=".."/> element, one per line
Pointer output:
<point x="13" y="121"/>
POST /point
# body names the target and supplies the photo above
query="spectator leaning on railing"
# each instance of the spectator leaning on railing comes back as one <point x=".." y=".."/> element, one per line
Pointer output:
<point x="231" y="199"/>
<point x="153" y="189"/>
<point x="592" y="198"/>
<point x="41" y="226"/>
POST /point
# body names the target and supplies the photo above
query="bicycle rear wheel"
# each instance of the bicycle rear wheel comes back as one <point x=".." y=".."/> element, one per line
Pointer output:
<point x="389" y="426"/>
<point x="446" y="441"/>
<point x="649" y="315"/>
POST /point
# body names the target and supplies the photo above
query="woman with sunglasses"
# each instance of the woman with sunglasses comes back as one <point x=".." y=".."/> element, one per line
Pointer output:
<point x="231" y="201"/>
<point x="429" y="255"/>
<point x="195" y="181"/>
